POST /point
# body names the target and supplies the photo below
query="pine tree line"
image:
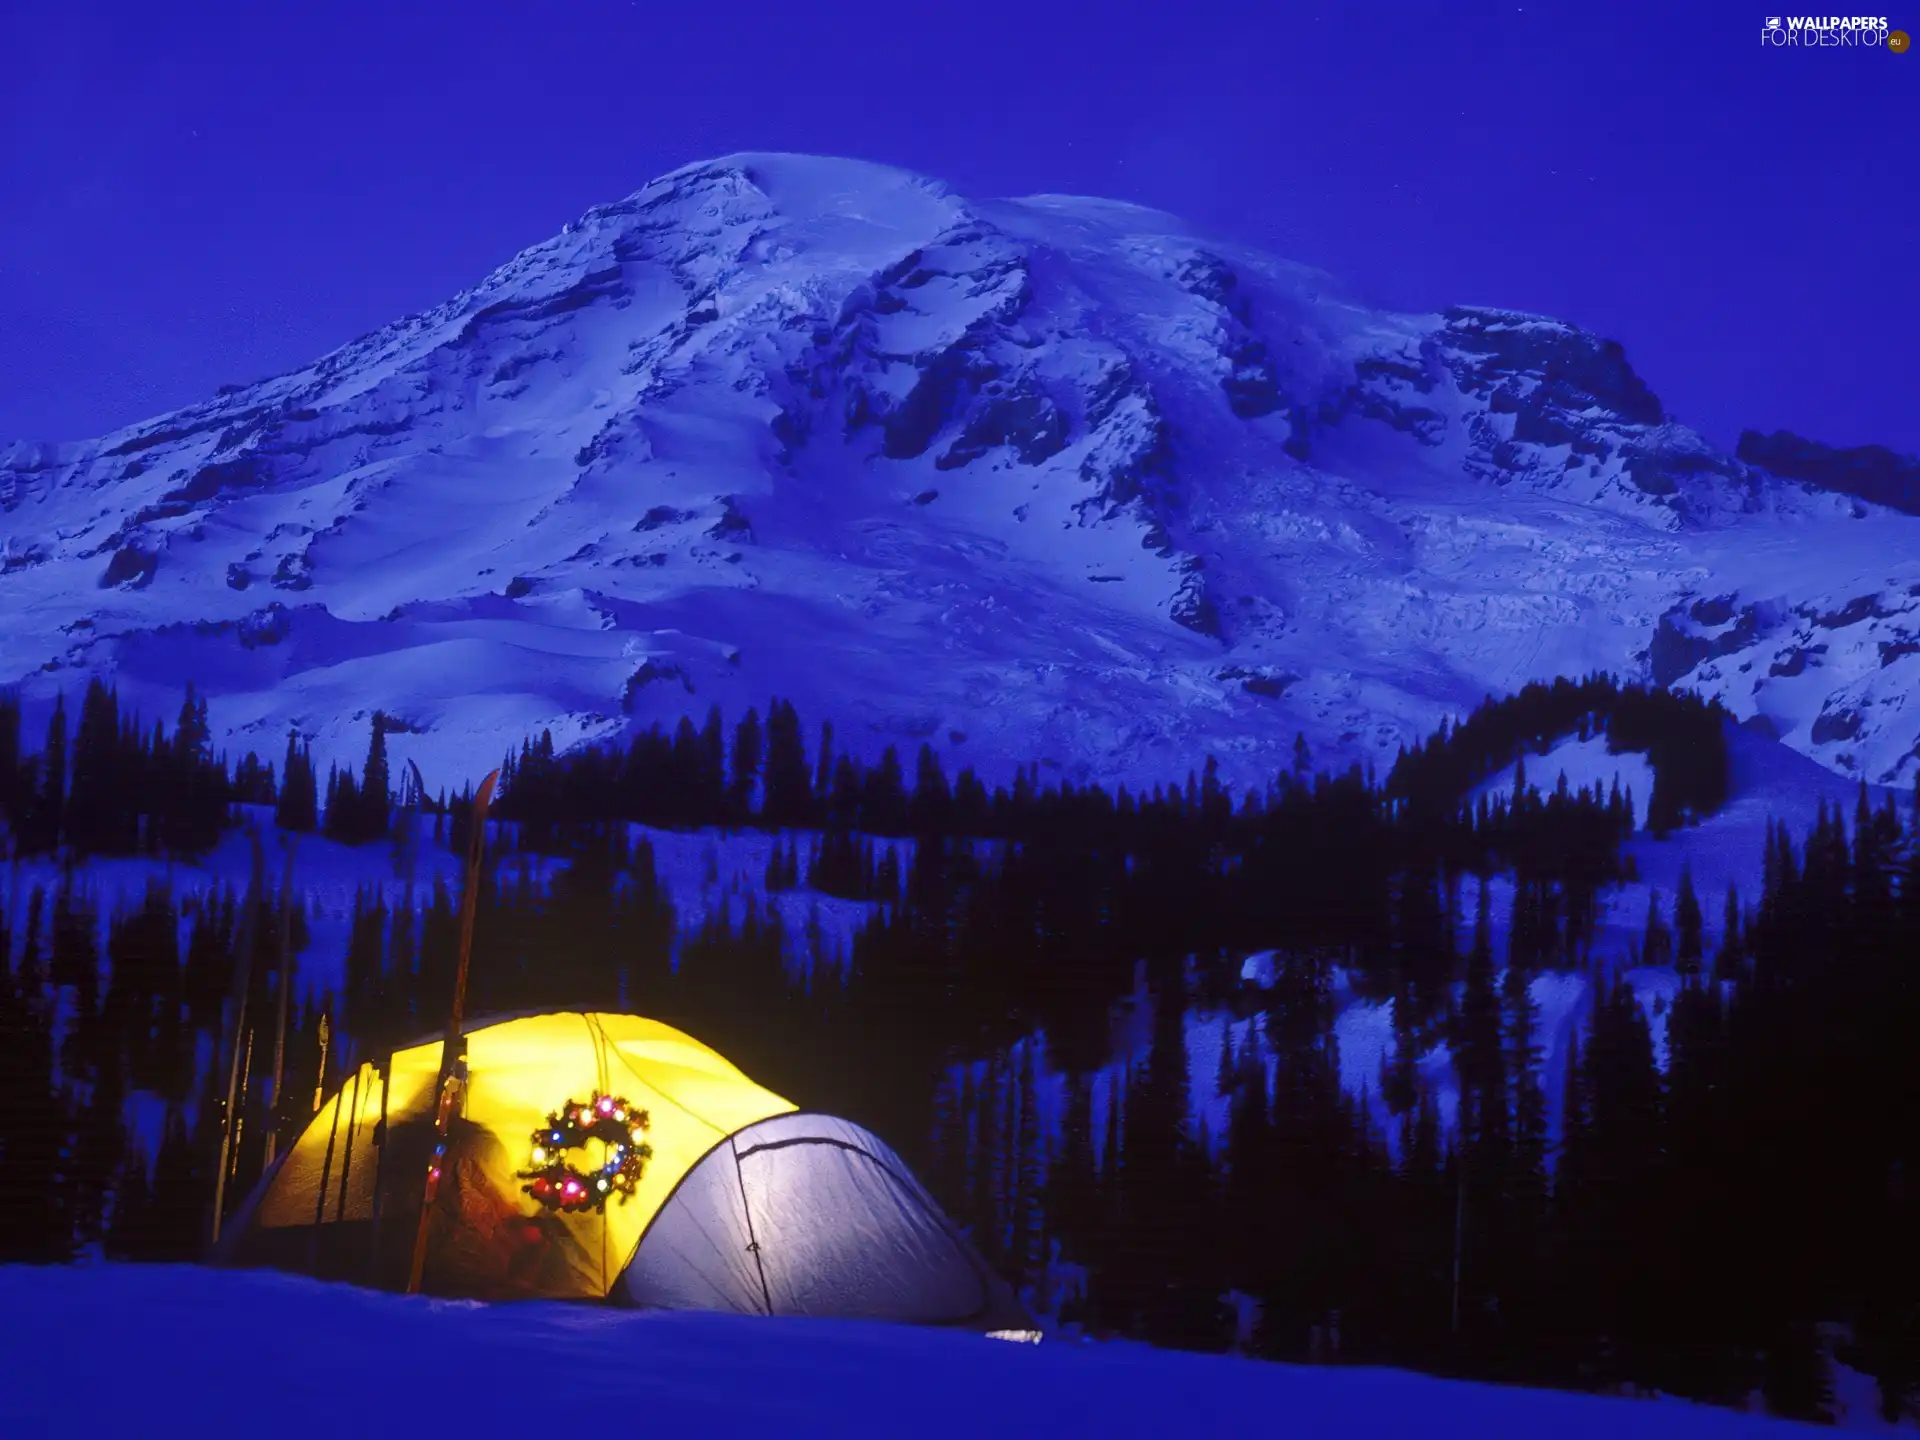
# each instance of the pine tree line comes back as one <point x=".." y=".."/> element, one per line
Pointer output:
<point x="1690" y="1228"/>
<point x="116" y="788"/>
<point x="764" y="777"/>
<point x="1696" y="1228"/>
<point x="86" y="1027"/>
<point x="1681" y="735"/>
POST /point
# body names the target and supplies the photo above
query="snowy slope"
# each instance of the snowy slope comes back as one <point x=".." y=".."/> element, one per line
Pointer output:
<point x="1052" y="477"/>
<point x="191" y="1349"/>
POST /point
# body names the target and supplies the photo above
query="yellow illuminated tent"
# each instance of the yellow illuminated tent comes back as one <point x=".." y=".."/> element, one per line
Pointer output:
<point x="746" y="1204"/>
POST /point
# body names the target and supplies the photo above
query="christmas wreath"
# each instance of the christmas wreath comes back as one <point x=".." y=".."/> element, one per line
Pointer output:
<point x="621" y="1130"/>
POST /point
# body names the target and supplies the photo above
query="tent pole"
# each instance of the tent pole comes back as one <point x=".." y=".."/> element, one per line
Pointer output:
<point x="753" y="1241"/>
<point x="379" y="1171"/>
<point x="326" y="1172"/>
<point x="346" y="1162"/>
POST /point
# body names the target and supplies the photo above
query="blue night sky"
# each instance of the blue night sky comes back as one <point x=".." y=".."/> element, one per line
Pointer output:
<point x="193" y="194"/>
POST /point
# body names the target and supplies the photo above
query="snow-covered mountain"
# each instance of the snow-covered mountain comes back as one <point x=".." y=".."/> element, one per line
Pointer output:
<point x="1048" y="477"/>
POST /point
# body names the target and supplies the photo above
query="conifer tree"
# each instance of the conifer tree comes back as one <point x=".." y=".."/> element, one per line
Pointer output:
<point x="341" y="821"/>
<point x="1399" y="1083"/>
<point x="822" y="775"/>
<point x="11" y="796"/>
<point x="32" y="1190"/>
<point x="843" y="803"/>
<point x="1688" y="947"/>
<point x="98" y="792"/>
<point x="298" y="805"/>
<point x="196" y="807"/>
<point x="44" y="824"/>
<point x="1249" y="1225"/>
<point x="1072" y="1205"/>
<point x="1226" y="1073"/>
<point x="1478" y="1057"/>
<point x="708" y="767"/>
<point x="1727" y="958"/>
<point x="1026" y="1168"/>
<point x="129" y="1231"/>
<point x="180" y="1192"/>
<point x="743" y="775"/>
<point x="373" y="810"/>
<point x="883" y="806"/>
<point x="1524" y="1195"/>
<point x="367" y="999"/>
<point x="1656" y="945"/>
<point x="788" y="798"/>
<point x="985" y="1169"/>
<point x="930" y="810"/>
<point x="99" y="1132"/>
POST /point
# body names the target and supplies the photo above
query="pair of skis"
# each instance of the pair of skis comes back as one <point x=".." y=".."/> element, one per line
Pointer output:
<point x="453" y="1049"/>
<point x="409" y="855"/>
<point x="452" y="1075"/>
<point x="241" y="1061"/>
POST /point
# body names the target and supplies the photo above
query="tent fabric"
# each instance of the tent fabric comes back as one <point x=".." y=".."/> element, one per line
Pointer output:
<point x="519" y="1072"/>
<point x="811" y="1215"/>
<point x="746" y="1205"/>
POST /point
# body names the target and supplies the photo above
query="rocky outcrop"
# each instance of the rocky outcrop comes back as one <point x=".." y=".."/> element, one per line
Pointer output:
<point x="1545" y="370"/>
<point x="1396" y="389"/>
<point x="1251" y="381"/>
<point x="1192" y="605"/>
<point x="132" y="566"/>
<point x="1687" y="638"/>
<point x="1867" y="472"/>
<point x="1020" y="416"/>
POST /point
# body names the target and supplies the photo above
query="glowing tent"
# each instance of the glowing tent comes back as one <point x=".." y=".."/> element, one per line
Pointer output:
<point x="743" y="1203"/>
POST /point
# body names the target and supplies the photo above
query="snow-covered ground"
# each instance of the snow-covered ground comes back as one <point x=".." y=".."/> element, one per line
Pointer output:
<point x="1585" y="765"/>
<point x="165" y="1351"/>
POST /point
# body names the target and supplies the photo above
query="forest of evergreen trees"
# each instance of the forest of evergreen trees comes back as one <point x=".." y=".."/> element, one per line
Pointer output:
<point x="1708" y="1228"/>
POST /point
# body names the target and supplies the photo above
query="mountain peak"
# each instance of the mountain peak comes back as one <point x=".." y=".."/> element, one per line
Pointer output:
<point x="1049" y="478"/>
